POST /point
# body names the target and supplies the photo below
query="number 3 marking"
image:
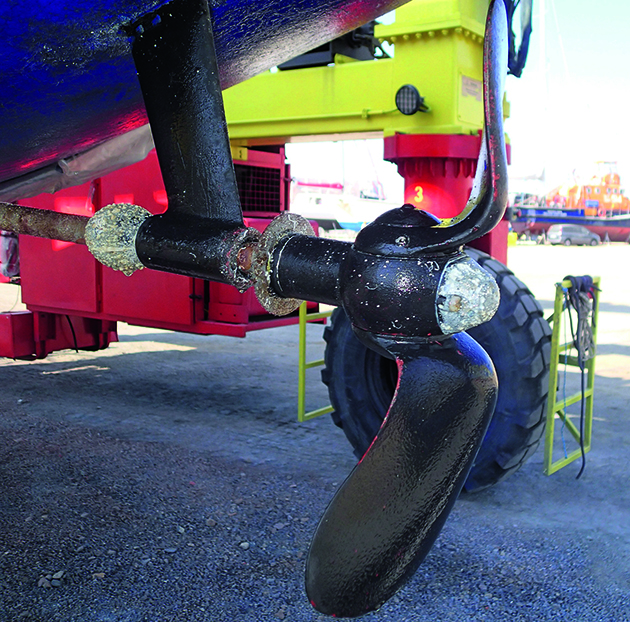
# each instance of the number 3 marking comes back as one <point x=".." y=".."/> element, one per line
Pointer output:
<point x="419" y="197"/>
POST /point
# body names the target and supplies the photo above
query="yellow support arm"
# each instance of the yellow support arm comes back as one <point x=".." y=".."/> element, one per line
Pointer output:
<point x="438" y="49"/>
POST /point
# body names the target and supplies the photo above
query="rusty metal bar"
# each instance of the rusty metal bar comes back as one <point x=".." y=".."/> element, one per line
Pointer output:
<point x="43" y="223"/>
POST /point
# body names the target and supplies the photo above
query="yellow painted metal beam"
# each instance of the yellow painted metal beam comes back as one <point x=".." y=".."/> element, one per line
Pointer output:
<point x="423" y="16"/>
<point x="438" y="49"/>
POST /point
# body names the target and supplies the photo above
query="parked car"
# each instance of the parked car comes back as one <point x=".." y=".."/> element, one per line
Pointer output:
<point x="572" y="234"/>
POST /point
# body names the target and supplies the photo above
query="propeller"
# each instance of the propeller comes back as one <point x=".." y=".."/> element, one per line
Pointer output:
<point x="409" y="291"/>
<point x="405" y="284"/>
<point x="385" y="517"/>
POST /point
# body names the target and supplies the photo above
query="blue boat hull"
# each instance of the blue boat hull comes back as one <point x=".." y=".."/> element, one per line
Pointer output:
<point x="537" y="220"/>
<point x="67" y="78"/>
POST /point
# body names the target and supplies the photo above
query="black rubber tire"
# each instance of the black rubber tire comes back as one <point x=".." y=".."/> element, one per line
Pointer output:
<point x="567" y="242"/>
<point x="361" y="382"/>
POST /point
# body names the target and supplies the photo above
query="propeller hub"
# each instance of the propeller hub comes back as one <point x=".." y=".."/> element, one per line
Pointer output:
<point x="393" y="285"/>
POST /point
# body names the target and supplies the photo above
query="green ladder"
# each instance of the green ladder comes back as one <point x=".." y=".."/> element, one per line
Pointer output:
<point x="560" y="355"/>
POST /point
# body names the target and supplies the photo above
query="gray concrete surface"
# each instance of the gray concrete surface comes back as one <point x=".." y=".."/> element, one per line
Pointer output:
<point x="168" y="480"/>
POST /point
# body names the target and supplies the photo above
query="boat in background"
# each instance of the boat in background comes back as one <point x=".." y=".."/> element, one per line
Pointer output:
<point x="598" y="203"/>
<point x="351" y="206"/>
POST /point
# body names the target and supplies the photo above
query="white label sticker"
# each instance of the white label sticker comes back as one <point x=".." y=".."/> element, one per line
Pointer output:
<point x="472" y="88"/>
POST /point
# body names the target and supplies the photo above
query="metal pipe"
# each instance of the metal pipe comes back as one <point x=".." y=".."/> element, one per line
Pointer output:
<point x="306" y="267"/>
<point x="488" y="199"/>
<point x="200" y="247"/>
<point x="43" y="223"/>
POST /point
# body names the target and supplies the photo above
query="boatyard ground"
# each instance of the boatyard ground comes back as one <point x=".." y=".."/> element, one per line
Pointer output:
<point x="166" y="479"/>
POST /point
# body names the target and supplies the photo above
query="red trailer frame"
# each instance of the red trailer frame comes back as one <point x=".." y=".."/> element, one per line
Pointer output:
<point x="75" y="302"/>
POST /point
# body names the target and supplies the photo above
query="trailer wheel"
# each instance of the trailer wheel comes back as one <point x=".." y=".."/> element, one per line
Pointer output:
<point x="361" y="383"/>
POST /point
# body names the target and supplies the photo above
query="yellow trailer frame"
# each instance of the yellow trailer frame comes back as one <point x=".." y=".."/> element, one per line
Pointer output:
<point x="438" y="49"/>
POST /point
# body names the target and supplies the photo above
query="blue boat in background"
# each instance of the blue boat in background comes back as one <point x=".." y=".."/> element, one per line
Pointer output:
<point x="536" y="221"/>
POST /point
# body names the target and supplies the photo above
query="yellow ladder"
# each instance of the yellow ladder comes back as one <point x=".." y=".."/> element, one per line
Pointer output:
<point x="303" y="364"/>
<point x="560" y="354"/>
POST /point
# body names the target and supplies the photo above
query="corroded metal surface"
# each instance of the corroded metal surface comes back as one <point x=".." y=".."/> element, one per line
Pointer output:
<point x="198" y="247"/>
<point x="284" y="225"/>
<point x="202" y="233"/>
<point x="43" y="223"/>
<point x="238" y="244"/>
<point x="111" y="236"/>
<point x="467" y="296"/>
<point x="175" y="56"/>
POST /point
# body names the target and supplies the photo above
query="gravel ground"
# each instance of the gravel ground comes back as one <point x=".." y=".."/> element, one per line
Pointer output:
<point x="165" y="479"/>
